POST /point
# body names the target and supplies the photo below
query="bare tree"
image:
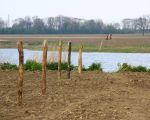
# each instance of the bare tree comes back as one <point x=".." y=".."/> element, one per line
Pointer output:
<point x="2" y="24"/>
<point x="51" y="23"/>
<point x="148" y="22"/>
<point x="126" y="23"/>
<point x="142" y="24"/>
<point x="38" y="25"/>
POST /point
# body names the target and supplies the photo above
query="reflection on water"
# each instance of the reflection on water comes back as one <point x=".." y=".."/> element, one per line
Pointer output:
<point x="109" y="61"/>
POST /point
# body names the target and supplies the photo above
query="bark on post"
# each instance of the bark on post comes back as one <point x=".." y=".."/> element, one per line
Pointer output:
<point x="59" y="59"/>
<point x="44" y="62"/>
<point x="80" y="59"/>
<point x="69" y="60"/>
<point x="20" y="73"/>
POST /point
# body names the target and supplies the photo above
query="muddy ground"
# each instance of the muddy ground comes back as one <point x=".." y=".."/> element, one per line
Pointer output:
<point x="89" y="96"/>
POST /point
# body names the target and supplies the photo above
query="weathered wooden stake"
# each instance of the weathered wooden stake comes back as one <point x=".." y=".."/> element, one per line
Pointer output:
<point x="44" y="62"/>
<point x="80" y="59"/>
<point x="59" y="59"/>
<point x="20" y="73"/>
<point x="100" y="47"/>
<point x="69" y="60"/>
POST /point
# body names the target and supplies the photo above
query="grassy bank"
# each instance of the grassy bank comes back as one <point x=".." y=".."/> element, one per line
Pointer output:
<point x="75" y="47"/>
<point x="128" y="68"/>
<point x="32" y="65"/>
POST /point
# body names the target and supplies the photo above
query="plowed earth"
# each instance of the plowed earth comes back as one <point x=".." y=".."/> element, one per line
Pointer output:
<point x="89" y="96"/>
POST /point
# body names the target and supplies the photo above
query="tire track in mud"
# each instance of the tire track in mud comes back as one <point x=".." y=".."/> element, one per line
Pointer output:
<point x="116" y="86"/>
<point x="58" y="113"/>
<point x="87" y="99"/>
<point x="72" y="106"/>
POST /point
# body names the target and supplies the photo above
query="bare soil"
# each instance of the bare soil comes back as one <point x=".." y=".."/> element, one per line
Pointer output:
<point x="89" y="96"/>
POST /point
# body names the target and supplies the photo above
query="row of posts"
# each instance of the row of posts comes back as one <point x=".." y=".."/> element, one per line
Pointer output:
<point x="44" y="63"/>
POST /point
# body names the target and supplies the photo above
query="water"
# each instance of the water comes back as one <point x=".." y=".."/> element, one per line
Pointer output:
<point x="109" y="61"/>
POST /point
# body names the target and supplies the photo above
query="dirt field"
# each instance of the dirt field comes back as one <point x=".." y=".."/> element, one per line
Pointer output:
<point x="90" y="96"/>
<point x="119" y="43"/>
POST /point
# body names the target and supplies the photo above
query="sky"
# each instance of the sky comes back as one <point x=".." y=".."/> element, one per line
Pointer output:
<point x="107" y="10"/>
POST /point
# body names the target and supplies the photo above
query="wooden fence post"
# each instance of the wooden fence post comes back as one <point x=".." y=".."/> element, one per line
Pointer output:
<point x="59" y="59"/>
<point x="20" y="73"/>
<point x="80" y="59"/>
<point x="69" y="60"/>
<point x="101" y="44"/>
<point x="44" y="62"/>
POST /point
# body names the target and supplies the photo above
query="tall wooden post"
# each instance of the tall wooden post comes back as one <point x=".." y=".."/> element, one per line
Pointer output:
<point x="101" y="44"/>
<point x="80" y="59"/>
<point x="59" y="59"/>
<point x="20" y="73"/>
<point x="44" y="62"/>
<point x="69" y="60"/>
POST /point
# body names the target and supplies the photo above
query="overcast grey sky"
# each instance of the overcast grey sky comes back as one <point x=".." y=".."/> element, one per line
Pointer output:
<point x="107" y="10"/>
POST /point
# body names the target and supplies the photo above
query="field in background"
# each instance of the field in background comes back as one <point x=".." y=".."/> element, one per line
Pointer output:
<point x="119" y="43"/>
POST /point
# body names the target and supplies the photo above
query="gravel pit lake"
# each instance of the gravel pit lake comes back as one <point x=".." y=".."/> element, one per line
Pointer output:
<point x="109" y="61"/>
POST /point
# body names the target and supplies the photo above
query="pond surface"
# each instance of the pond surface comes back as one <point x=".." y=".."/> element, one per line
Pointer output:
<point x="109" y="61"/>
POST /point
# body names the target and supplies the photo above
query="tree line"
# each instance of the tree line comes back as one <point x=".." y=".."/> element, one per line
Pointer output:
<point x="68" y="25"/>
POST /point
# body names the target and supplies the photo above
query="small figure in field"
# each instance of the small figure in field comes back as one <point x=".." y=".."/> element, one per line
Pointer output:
<point x="107" y="37"/>
<point x="110" y="36"/>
